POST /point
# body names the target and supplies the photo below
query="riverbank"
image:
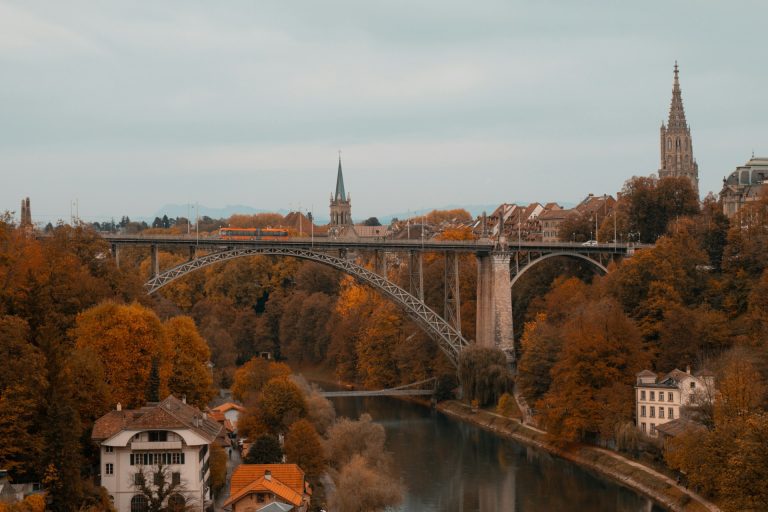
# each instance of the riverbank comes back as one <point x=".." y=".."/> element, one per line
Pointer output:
<point x="632" y="474"/>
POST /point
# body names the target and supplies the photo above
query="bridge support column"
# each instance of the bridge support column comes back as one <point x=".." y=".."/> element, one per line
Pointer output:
<point x="116" y="254"/>
<point x="451" y="286"/>
<point x="380" y="262"/>
<point x="192" y="252"/>
<point x="494" y="303"/>
<point x="415" y="273"/>
<point x="155" y="261"/>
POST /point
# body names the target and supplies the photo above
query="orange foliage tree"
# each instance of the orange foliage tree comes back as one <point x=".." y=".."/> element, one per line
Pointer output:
<point x="126" y="339"/>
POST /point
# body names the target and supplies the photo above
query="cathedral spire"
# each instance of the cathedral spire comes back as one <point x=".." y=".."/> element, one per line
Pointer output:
<point x="340" y="193"/>
<point x="676" y="145"/>
<point x="676" y="110"/>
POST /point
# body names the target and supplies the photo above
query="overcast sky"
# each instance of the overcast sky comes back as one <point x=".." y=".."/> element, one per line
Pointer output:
<point x="130" y="105"/>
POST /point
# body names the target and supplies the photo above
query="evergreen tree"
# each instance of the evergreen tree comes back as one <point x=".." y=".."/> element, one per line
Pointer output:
<point x="153" y="386"/>
<point x="264" y="450"/>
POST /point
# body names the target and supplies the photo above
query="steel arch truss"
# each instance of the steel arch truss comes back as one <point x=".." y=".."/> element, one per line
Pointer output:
<point x="450" y="341"/>
<point x="518" y="270"/>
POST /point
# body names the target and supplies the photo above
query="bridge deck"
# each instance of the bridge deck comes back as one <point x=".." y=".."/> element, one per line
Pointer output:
<point x="325" y="243"/>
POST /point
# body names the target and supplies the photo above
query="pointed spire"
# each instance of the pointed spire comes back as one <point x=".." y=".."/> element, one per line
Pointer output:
<point x="676" y="111"/>
<point x="340" y="194"/>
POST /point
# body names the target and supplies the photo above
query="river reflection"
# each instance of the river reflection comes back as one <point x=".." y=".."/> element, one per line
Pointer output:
<point x="448" y="465"/>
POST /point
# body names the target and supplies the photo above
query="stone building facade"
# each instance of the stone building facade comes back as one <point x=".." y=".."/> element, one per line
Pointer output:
<point x="676" y="144"/>
<point x="744" y="185"/>
<point x="658" y="401"/>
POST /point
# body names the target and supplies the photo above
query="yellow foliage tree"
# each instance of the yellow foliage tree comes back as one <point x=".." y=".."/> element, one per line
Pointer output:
<point x="253" y="375"/>
<point x="190" y="375"/>
<point x="126" y="338"/>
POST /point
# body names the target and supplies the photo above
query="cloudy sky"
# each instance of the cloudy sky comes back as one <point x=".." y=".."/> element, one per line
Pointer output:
<point x="130" y="105"/>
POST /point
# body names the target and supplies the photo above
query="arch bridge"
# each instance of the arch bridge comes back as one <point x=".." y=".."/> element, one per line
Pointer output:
<point x="499" y="266"/>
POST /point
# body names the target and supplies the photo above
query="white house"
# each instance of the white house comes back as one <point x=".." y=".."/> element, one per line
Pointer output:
<point x="170" y="434"/>
<point x="658" y="401"/>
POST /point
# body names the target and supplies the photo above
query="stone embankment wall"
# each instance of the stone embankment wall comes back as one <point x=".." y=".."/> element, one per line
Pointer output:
<point x="634" y="475"/>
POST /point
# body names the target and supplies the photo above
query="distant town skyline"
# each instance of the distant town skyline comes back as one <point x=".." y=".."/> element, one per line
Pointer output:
<point x="125" y="108"/>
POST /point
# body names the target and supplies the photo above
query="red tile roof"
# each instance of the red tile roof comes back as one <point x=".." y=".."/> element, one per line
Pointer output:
<point x="262" y="484"/>
<point x="169" y="414"/>
<point x="289" y="474"/>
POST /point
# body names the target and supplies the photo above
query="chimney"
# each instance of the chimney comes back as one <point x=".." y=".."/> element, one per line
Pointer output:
<point x="267" y="474"/>
<point x="184" y="398"/>
<point x="688" y="369"/>
<point x="119" y="407"/>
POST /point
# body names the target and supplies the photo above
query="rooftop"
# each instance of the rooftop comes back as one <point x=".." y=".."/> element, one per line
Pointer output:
<point x="169" y="414"/>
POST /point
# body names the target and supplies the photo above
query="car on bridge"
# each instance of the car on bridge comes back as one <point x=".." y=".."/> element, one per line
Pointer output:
<point x="590" y="243"/>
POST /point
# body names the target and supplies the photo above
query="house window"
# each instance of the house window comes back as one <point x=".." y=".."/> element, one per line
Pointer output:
<point x="653" y="412"/>
<point x="653" y="429"/>
<point x="158" y="436"/>
<point x="670" y="413"/>
<point x="138" y="479"/>
<point x="642" y="395"/>
<point x="693" y="385"/>
<point x="109" y="449"/>
<point x="642" y="411"/>
<point x="177" y="458"/>
<point x="653" y="396"/>
<point x="139" y="503"/>
<point x="159" y="478"/>
<point x="661" y="412"/>
<point x="643" y="426"/>
<point x="175" y="478"/>
<point x="109" y="469"/>
<point x="670" y="396"/>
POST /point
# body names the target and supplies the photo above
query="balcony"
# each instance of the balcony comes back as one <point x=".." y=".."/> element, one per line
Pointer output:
<point x="155" y="445"/>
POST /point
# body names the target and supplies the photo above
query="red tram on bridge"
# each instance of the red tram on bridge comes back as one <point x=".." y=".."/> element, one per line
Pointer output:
<point x="253" y="233"/>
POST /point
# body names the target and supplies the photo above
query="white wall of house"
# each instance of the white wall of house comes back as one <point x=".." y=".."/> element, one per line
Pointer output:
<point x="119" y="478"/>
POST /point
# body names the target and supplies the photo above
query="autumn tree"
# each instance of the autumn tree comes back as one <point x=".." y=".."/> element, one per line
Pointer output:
<point x="126" y="338"/>
<point x="653" y="203"/>
<point x="303" y="447"/>
<point x="254" y="375"/>
<point x="347" y="438"/>
<point x="541" y="345"/>
<point x="280" y="404"/>
<point x="190" y="375"/>
<point x="218" y="464"/>
<point x="591" y="389"/>
<point x="22" y="378"/>
<point x="360" y="487"/>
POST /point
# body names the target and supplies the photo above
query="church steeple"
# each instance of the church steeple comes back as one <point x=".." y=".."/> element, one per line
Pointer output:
<point x="676" y="145"/>
<point x="341" y="204"/>
<point x="340" y="193"/>
<point x="676" y="110"/>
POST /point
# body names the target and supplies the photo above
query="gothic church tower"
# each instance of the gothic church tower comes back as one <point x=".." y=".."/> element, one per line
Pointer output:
<point x="341" y="203"/>
<point x="676" y="147"/>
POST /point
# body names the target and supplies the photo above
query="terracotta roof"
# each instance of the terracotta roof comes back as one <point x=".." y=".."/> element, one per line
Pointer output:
<point x="229" y="406"/>
<point x="289" y="474"/>
<point x="554" y="214"/>
<point x="262" y="484"/>
<point x="217" y="416"/>
<point x="676" y="427"/>
<point x="169" y="414"/>
<point x="646" y="373"/>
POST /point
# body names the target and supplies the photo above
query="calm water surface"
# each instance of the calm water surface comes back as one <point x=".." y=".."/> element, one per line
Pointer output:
<point x="447" y="465"/>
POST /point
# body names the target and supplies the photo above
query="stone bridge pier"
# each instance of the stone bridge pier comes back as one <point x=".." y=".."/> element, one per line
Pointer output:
<point x="494" y="303"/>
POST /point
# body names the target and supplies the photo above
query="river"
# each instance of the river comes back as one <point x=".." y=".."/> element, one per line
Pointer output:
<point x="447" y="465"/>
